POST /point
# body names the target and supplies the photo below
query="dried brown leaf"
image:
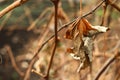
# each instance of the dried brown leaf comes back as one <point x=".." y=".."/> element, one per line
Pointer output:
<point x="83" y="47"/>
<point x="70" y="33"/>
<point x="84" y="27"/>
<point x="70" y="50"/>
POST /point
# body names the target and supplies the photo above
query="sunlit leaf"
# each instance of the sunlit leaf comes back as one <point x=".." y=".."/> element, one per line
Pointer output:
<point x="101" y="28"/>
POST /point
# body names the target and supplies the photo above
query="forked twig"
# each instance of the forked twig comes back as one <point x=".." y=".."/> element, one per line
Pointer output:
<point x="62" y="27"/>
<point x="67" y="24"/>
<point x="27" y="74"/>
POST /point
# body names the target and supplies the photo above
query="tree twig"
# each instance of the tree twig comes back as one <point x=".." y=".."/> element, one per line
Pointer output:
<point x="27" y="74"/>
<point x="113" y="5"/>
<point x="55" y="2"/>
<point x="109" y="61"/>
<point x="39" y="74"/>
<point x="67" y="24"/>
<point x="35" y="21"/>
<point x="12" y="6"/>
<point x="5" y="20"/>
<point x="62" y="27"/>
<point x="104" y="12"/>
<point x="13" y="60"/>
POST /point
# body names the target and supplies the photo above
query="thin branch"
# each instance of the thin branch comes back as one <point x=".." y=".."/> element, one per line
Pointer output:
<point x="113" y="5"/>
<point x="27" y="74"/>
<point x="80" y="8"/>
<point x="67" y="24"/>
<point x="28" y="14"/>
<point x="55" y="2"/>
<point x="109" y="61"/>
<point x="39" y="74"/>
<point x="50" y="63"/>
<point x="35" y="21"/>
<point x="104" y="12"/>
<point x="5" y="20"/>
<point x="62" y="27"/>
<point x="12" y="6"/>
<point x="94" y="9"/>
<point x="13" y="60"/>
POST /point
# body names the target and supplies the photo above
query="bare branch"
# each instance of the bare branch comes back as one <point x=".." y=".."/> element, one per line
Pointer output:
<point x="40" y="16"/>
<point x="55" y="2"/>
<point x="62" y="27"/>
<point x="113" y="5"/>
<point x="12" y="6"/>
<point x="110" y="60"/>
<point x="5" y="20"/>
<point x="67" y="24"/>
<point x="103" y="17"/>
<point x="39" y="74"/>
<point x="13" y="61"/>
<point x="27" y="74"/>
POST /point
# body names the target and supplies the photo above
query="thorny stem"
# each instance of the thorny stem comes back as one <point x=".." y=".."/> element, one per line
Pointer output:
<point x="55" y="2"/>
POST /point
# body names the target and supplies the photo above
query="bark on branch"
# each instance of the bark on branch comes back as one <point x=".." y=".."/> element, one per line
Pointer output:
<point x="12" y="6"/>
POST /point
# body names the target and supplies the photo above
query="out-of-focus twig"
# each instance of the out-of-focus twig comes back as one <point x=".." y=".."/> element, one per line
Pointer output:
<point x="80" y="8"/>
<point x="39" y="74"/>
<point x="13" y="60"/>
<point x="36" y="54"/>
<point x="113" y="5"/>
<point x="28" y="14"/>
<point x="5" y="20"/>
<point x="103" y="17"/>
<point x="40" y="45"/>
<point x="109" y="61"/>
<point x="117" y="76"/>
<point x="40" y="16"/>
<point x="12" y="6"/>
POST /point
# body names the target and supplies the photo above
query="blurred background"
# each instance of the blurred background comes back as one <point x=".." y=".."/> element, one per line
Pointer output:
<point x="24" y="27"/>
